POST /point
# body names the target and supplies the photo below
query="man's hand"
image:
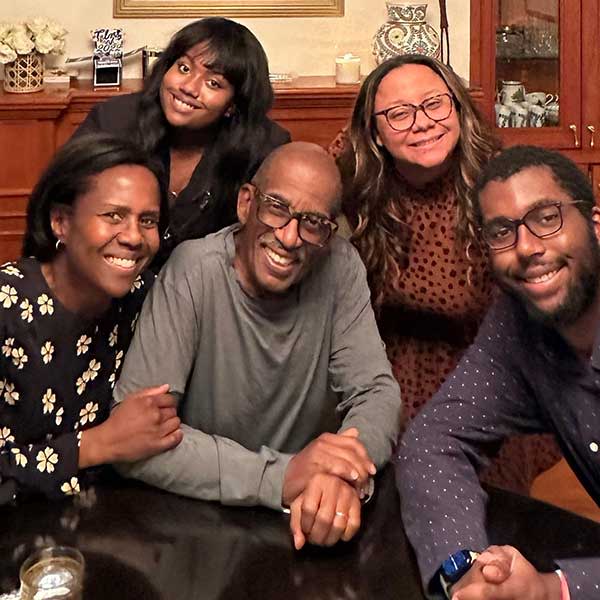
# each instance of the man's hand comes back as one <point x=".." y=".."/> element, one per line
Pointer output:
<point x="340" y="454"/>
<point x="503" y="573"/>
<point x="328" y="510"/>
<point x="144" y="424"/>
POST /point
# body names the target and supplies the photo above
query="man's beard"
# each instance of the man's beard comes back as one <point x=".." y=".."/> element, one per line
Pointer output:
<point x="580" y="295"/>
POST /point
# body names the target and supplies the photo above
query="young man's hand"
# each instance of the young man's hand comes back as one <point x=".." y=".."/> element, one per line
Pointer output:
<point x="503" y="573"/>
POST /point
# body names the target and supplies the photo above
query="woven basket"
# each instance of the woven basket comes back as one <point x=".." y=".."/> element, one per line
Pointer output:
<point x="25" y="74"/>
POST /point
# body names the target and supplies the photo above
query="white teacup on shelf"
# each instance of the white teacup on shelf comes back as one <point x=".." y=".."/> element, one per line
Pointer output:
<point x="520" y="115"/>
<point x="537" y="116"/>
<point x="552" y="113"/>
<point x="503" y="115"/>
<point x="538" y="98"/>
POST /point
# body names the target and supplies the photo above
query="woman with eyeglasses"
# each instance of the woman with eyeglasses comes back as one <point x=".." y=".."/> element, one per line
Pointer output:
<point x="203" y="114"/>
<point x="413" y="150"/>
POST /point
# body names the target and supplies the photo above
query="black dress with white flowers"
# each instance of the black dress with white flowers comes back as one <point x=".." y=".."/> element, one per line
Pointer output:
<point x="57" y="372"/>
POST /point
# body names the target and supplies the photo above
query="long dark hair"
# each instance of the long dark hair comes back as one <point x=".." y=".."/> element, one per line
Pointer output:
<point x="239" y="139"/>
<point x="373" y="202"/>
<point x="69" y="176"/>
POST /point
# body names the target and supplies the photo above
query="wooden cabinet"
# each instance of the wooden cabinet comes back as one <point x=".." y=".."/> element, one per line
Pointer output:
<point x="33" y="126"/>
<point x="549" y="46"/>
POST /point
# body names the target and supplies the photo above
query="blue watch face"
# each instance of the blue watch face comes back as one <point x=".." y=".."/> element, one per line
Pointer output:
<point x="456" y="565"/>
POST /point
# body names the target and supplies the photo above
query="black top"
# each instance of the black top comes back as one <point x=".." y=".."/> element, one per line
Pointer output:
<point x="196" y="212"/>
<point x="57" y="372"/>
<point x="517" y="377"/>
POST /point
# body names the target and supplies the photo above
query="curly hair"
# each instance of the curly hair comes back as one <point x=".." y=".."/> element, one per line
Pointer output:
<point x="373" y="198"/>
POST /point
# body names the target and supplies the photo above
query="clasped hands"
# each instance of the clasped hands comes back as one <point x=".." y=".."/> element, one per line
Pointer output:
<point x="323" y="487"/>
<point x="503" y="573"/>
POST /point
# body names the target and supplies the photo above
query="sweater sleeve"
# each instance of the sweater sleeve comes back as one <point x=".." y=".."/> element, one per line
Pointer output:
<point x="359" y="368"/>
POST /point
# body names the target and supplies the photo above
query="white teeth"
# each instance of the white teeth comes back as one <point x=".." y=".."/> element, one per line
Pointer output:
<point x="126" y="263"/>
<point x="280" y="260"/>
<point x="542" y="278"/>
<point x="427" y="142"/>
<point x="181" y="104"/>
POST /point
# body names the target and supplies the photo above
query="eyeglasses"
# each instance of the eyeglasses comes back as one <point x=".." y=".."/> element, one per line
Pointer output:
<point x="402" y="117"/>
<point x="313" y="228"/>
<point x="542" y="221"/>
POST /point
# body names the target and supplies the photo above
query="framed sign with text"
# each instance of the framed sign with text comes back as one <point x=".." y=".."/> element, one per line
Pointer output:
<point x="227" y="8"/>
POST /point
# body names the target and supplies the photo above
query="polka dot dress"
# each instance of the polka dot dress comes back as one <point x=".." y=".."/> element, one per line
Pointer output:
<point x="431" y="314"/>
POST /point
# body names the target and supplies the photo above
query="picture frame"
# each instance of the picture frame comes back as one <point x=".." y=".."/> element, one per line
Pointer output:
<point x="160" y="9"/>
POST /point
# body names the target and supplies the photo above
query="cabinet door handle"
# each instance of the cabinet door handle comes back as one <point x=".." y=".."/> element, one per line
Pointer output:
<point x="573" y="128"/>
<point x="592" y="130"/>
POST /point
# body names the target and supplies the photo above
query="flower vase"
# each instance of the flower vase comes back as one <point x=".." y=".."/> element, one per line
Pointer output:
<point x="405" y="32"/>
<point x="25" y="74"/>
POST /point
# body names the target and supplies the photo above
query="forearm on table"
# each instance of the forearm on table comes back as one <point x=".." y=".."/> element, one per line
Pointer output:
<point x="208" y="467"/>
<point x="442" y="502"/>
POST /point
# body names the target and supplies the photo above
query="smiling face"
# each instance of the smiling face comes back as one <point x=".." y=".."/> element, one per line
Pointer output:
<point x="191" y="94"/>
<point x="109" y="235"/>
<point x="270" y="261"/>
<point x="556" y="278"/>
<point x="424" y="150"/>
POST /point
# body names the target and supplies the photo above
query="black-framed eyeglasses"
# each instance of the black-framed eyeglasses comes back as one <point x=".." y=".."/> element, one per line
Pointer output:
<point x="542" y="221"/>
<point x="402" y="117"/>
<point x="313" y="228"/>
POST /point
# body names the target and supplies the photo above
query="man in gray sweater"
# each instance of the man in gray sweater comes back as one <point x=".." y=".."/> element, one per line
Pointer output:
<point x="265" y="334"/>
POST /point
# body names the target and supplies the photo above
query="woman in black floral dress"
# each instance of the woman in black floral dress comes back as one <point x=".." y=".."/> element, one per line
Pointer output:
<point x="67" y="314"/>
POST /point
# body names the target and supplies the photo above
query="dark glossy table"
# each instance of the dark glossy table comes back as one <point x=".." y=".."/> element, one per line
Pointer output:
<point x="143" y="543"/>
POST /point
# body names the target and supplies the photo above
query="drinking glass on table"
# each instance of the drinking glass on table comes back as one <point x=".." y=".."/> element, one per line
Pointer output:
<point x="54" y="573"/>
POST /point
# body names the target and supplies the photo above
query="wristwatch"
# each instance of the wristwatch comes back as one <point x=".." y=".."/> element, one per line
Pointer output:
<point x="454" y="567"/>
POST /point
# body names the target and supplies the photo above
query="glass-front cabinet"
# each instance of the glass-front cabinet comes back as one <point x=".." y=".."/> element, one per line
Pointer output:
<point x="526" y="69"/>
<point x="527" y="64"/>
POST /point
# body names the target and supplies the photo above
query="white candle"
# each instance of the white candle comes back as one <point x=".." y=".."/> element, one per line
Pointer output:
<point x="347" y="69"/>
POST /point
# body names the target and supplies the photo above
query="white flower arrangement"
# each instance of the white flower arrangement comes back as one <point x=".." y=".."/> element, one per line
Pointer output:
<point x="38" y="34"/>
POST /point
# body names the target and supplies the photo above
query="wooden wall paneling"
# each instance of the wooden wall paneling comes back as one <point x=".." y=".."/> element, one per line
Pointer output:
<point x="28" y="146"/>
<point x="13" y="207"/>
